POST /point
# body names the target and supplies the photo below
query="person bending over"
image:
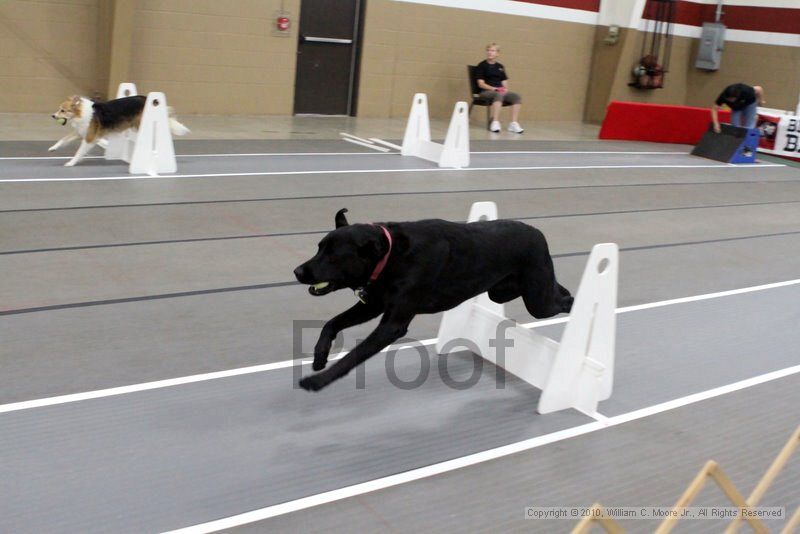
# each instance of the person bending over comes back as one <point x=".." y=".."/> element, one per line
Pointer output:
<point x="743" y="101"/>
<point x="493" y="82"/>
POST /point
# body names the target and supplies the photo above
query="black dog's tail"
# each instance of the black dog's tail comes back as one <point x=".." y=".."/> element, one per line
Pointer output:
<point x="566" y="298"/>
<point x="563" y="291"/>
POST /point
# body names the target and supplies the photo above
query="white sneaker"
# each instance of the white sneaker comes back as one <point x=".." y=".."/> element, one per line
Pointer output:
<point x="514" y="127"/>
<point x="494" y="127"/>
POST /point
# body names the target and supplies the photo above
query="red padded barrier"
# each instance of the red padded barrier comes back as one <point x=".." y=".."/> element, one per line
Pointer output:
<point x="657" y="123"/>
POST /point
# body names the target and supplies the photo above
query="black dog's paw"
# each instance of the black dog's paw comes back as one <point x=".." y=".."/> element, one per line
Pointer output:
<point x="566" y="304"/>
<point x="313" y="383"/>
<point x="321" y="352"/>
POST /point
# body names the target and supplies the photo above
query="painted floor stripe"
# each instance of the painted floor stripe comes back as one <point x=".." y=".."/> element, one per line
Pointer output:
<point x="384" y="171"/>
<point x="304" y="154"/>
<point x="319" y="232"/>
<point x="145" y="386"/>
<point x="389" y="481"/>
<point x="477" y="458"/>
<point x="407" y="193"/>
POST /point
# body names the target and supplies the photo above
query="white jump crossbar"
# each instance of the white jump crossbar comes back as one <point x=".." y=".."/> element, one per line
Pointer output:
<point x="576" y="373"/>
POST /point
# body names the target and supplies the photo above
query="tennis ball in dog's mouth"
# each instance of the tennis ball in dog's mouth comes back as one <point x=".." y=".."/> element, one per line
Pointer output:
<point x="321" y="285"/>
<point x="62" y="121"/>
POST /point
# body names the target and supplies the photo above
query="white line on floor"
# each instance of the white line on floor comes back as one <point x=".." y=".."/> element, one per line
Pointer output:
<point x="477" y="458"/>
<point x="384" y="171"/>
<point x="145" y="386"/>
<point x="303" y="154"/>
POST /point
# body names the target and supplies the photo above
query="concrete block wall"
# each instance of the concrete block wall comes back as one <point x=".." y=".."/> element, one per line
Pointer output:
<point x="215" y="56"/>
<point x="48" y="50"/>
<point x="410" y="47"/>
<point x="220" y="57"/>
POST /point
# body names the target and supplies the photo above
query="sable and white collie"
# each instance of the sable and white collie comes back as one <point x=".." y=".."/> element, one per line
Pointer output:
<point x="94" y="120"/>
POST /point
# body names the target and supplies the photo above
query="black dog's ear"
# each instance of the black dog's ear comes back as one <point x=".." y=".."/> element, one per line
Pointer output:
<point x="371" y="246"/>
<point x="341" y="220"/>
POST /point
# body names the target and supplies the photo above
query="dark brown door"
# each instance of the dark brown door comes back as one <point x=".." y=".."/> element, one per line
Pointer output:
<point x="326" y="57"/>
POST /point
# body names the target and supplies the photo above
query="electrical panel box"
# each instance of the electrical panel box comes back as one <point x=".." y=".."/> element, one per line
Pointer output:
<point x="712" y="41"/>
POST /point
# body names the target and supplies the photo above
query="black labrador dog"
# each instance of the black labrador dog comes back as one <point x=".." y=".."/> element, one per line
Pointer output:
<point x="403" y="269"/>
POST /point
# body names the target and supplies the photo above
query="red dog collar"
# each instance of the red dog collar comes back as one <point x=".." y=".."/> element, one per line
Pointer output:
<point x="381" y="264"/>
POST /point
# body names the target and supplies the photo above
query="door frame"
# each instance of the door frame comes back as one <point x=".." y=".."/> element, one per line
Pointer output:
<point x="355" y="60"/>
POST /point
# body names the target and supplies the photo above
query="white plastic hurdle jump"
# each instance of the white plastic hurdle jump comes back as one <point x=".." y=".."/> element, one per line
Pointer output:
<point x="417" y="139"/>
<point x="148" y="150"/>
<point x="576" y="373"/>
<point x="154" y="151"/>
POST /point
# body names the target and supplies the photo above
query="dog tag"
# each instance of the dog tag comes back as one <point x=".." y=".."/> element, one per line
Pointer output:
<point x="361" y="294"/>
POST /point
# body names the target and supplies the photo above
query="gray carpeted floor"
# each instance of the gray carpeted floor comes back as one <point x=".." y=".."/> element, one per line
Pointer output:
<point x="112" y="282"/>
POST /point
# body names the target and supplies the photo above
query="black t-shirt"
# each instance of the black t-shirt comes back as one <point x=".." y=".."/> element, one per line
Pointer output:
<point x="491" y="73"/>
<point x="745" y="95"/>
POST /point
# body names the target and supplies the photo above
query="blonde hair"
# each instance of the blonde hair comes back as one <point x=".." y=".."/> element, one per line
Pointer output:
<point x="492" y="45"/>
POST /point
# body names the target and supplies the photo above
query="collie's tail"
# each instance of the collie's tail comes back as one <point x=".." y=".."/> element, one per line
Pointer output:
<point x="177" y="128"/>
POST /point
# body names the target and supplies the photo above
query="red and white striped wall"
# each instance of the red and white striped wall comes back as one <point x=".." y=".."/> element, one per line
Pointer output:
<point x="579" y="11"/>
<point x="749" y="21"/>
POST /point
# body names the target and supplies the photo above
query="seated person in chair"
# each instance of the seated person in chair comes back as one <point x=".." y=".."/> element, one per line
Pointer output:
<point x="493" y="82"/>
